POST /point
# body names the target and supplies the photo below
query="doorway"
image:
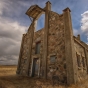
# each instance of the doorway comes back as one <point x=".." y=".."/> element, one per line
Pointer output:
<point x="35" y="69"/>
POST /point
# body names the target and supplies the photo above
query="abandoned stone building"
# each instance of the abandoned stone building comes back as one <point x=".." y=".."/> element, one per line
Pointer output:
<point x="53" y="50"/>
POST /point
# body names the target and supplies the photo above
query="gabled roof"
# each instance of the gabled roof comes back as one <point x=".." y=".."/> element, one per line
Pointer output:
<point x="34" y="11"/>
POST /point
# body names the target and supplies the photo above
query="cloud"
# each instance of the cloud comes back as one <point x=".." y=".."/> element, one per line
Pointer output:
<point x="13" y="23"/>
<point x="9" y="60"/>
<point x="11" y="29"/>
<point x="10" y="40"/>
<point x="76" y="32"/>
<point x="10" y="35"/>
<point x="2" y="4"/>
<point x="84" y="22"/>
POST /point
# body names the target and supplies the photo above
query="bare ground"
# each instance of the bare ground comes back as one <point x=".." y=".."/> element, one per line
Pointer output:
<point x="9" y="79"/>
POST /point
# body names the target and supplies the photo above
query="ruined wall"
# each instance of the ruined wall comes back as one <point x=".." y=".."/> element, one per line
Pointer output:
<point x="56" y="46"/>
<point x="81" y="70"/>
<point x="24" y="54"/>
<point x="25" y="51"/>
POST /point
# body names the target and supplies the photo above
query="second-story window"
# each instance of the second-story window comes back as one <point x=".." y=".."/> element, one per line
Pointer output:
<point x="78" y="60"/>
<point x="83" y="61"/>
<point x="37" y="50"/>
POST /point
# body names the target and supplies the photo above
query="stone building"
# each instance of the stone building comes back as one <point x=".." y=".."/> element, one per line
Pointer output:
<point x="53" y="50"/>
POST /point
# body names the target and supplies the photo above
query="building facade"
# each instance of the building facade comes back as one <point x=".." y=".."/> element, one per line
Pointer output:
<point x="53" y="50"/>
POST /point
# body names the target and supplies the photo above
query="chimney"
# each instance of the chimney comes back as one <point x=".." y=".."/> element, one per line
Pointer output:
<point x="48" y="5"/>
<point x="78" y="36"/>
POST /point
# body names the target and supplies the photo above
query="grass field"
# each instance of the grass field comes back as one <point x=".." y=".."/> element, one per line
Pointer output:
<point x="9" y="79"/>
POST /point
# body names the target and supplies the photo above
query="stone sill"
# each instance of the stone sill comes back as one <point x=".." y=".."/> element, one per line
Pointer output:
<point x="53" y="63"/>
<point x="79" y="68"/>
<point x="36" y="55"/>
<point x="84" y="68"/>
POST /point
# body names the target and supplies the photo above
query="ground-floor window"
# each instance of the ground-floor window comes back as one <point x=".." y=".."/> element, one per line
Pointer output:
<point x="52" y="58"/>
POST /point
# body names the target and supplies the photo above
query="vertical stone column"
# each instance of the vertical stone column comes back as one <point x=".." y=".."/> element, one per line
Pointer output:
<point x="20" y="56"/>
<point x="70" y="54"/>
<point x="30" y="46"/>
<point x="45" y="40"/>
<point x="86" y="56"/>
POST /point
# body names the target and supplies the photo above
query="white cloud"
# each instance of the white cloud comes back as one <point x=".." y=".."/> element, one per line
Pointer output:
<point x="8" y="59"/>
<point x="10" y="36"/>
<point x="10" y="40"/>
<point x="76" y="32"/>
<point x="84" y="22"/>
<point x="11" y="30"/>
<point x="84" y="25"/>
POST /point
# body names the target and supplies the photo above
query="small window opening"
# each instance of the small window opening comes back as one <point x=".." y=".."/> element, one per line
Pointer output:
<point x="52" y="59"/>
<point x="78" y="60"/>
<point x="38" y="44"/>
<point x="83" y="61"/>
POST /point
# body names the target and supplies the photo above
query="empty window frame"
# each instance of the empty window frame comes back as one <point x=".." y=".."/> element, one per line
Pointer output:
<point x="52" y="58"/>
<point x="83" y="61"/>
<point x="25" y="61"/>
<point x="37" y="50"/>
<point x="78" y="60"/>
<point x="40" y="22"/>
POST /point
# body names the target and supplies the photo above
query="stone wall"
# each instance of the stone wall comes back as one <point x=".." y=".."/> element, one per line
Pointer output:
<point x="25" y="51"/>
<point x="24" y="54"/>
<point x="38" y="37"/>
<point x="56" y="46"/>
<point x="81" y="70"/>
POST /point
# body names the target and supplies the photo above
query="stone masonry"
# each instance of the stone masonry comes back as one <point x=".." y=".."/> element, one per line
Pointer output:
<point x="52" y="50"/>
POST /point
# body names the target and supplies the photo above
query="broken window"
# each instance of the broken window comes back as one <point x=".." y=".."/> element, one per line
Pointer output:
<point x="78" y="60"/>
<point x="52" y="58"/>
<point x="38" y="44"/>
<point x="83" y="61"/>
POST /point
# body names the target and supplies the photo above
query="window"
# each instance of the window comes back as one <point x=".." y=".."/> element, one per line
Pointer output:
<point x="25" y="61"/>
<point x="40" y="22"/>
<point x="52" y="58"/>
<point x="37" y="51"/>
<point x="65" y="66"/>
<point x="78" y="60"/>
<point x="83" y="61"/>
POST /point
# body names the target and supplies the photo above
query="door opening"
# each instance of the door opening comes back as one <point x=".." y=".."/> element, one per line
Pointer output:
<point x="35" y="69"/>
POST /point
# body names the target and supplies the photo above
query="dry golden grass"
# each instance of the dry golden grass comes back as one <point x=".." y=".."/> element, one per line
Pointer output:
<point x="7" y="70"/>
<point x="9" y="79"/>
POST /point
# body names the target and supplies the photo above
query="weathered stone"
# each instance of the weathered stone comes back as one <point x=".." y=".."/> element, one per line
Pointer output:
<point x="57" y="41"/>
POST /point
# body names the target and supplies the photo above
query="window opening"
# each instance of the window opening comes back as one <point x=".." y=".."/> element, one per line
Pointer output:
<point x="40" y="22"/>
<point x="52" y="58"/>
<point x="78" y="60"/>
<point x="38" y="44"/>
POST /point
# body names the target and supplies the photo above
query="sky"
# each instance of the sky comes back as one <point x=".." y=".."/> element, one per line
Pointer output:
<point x="14" y="22"/>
